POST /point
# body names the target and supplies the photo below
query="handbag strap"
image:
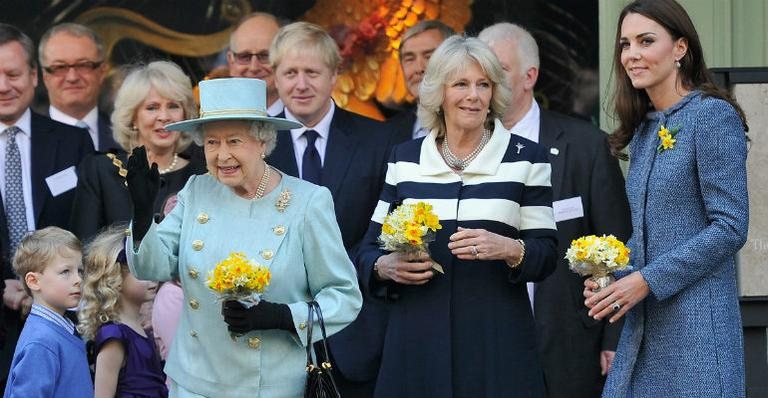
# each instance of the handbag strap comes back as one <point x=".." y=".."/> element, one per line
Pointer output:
<point x="310" y="322"/>
<point x="316" y="312"/>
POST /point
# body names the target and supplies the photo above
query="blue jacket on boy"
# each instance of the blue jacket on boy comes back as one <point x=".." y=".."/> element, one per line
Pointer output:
<point x="48" y="362"/>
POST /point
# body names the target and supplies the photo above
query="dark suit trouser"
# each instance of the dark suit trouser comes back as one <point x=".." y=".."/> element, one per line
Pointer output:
<point x="13" y="324"/>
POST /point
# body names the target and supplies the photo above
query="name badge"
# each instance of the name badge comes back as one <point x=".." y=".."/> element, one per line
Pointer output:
<point x="62" y="181"/>
<point x="568" y="209"/>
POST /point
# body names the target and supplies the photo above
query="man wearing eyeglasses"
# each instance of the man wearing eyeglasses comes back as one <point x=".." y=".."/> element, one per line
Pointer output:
<point x="248" y="54"/>
<point x="38" y="157"/>
<point x="72" y="59"/>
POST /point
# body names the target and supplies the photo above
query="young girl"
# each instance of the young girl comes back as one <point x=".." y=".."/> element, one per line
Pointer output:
<point x="127" y="363"/>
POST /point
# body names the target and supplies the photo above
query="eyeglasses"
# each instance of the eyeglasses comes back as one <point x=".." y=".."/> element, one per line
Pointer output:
<point x="80" y="67"/>
<point x="244" y="58"/>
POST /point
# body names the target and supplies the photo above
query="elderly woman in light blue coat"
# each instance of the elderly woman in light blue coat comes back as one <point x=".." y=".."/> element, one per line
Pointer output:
<point x="242" y="205"/>
<point x="687" y="190"/>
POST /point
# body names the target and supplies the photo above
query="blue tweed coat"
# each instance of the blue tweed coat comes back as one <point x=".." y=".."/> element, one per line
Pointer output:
<point x="689" y="216"/>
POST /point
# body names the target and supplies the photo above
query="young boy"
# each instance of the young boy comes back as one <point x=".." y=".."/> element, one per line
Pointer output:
<point x="50" y="359"/>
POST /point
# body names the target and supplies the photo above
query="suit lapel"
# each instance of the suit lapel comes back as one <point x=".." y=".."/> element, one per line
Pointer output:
<point x="339" y="151"/>
<point x="43" y="158"/>
<point x="550" y="134"/>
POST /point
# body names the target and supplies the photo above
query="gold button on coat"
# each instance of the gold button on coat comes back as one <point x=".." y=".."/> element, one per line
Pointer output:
<point x="197" y="245"/>
<point x="254" y="342"/>
<point x="203" y="218"/>
<point x="279" y="230"/>
<point x="302" y="325"/>
<point x="194" y="304"/>
<point x="193" y="273"/>
<point x="267" y="254"/>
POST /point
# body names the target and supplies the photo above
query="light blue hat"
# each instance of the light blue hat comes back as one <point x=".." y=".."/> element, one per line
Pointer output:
<point x="234" y="98"/>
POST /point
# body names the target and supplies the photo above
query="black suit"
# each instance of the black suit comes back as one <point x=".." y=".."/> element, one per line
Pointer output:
<point x="354" y="170"/>
<point x="54" y="147"/>
<point x="401" y="125"/>
<point x="569" y="340"/>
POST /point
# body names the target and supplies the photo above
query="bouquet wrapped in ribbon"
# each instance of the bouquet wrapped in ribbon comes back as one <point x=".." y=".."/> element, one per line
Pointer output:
<point x="409" y="229"/>
<point x="238" y="278"/>
<point x="598" y="257"/>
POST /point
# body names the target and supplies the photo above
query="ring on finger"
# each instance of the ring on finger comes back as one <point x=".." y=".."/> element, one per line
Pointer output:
<point x="473" y="248"/>
<point x="616" y="306"/>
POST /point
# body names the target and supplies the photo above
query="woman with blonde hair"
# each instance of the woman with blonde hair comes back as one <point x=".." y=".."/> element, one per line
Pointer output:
<point x="150" y="97"/>
<point x="468" y="332"/>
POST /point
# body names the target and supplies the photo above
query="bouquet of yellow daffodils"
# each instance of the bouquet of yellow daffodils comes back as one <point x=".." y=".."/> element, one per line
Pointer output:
<point x="409" y="229"/>
<point x="238" y="278"/>
<point x="598" y="256"/>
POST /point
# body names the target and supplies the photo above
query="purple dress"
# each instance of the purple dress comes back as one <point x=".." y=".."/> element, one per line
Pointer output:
<point x="142" y="374"/>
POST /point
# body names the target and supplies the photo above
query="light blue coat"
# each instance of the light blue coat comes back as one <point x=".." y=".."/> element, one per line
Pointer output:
<point x="689" y="218"/>
<point x="302" y="247"/>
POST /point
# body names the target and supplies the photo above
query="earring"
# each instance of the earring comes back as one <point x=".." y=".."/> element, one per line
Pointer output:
<point x="263" y="155"/>
<point x="677" y="63"/>
<point x="133" y="127"/>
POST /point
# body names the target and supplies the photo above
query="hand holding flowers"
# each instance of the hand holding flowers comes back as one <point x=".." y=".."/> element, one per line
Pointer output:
<point x="237" y="278"/>
<point x="598" y="257"/>
<point x="409" y="229"/>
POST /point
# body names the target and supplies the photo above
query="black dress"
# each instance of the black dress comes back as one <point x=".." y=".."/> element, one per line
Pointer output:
<point x="102" y="198"/>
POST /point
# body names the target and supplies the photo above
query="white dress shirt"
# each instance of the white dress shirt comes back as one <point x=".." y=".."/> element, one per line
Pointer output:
<point x="24" y="142"/>
<point x="91" y="119"/>
<point x="323" y="129"/>
<point x="528" y="126"/>
<point x="276" y="108"/>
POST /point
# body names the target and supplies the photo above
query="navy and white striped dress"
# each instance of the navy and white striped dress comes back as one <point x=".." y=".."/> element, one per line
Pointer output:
<point x="469" y="332"/>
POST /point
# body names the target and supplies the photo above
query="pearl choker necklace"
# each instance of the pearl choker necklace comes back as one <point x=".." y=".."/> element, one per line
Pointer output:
<point x="262" y="184"/>
<point x="460" y="164"/>
<point x="172" y="165"/>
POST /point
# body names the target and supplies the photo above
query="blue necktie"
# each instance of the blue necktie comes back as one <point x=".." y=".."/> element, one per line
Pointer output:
<point x="311" y="167"/>
<point x="15" y="210"/>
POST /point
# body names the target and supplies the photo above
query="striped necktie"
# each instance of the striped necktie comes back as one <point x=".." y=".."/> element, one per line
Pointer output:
<point x="15" y="210"/>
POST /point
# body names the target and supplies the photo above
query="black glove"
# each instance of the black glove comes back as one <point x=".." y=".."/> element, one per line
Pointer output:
<point x="264" y="315"/>
<point x="143" y="184"/>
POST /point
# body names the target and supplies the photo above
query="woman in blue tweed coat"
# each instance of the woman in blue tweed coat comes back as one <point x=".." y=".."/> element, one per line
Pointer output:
<point x="688" y="194"/>
<point x="468" y="332"/>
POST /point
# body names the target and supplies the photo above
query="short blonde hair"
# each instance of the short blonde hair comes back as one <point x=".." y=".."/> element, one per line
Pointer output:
<point x="103" y="281"/>
<point x="169" y="81"/>
<point x="38" y="249"/>
<point x="304" y="36"/>
<point x="453" y="56"/>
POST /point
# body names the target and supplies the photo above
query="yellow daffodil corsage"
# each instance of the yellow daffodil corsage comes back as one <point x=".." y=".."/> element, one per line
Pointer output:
<point x="667" y="138"/>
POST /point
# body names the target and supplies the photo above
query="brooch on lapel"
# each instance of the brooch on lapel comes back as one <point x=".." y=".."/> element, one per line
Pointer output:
<point x="283" y="200"/>
<point x="519" y="147"/>
<point x="667" y="138"/>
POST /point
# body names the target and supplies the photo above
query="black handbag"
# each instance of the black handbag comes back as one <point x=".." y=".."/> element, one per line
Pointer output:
<point x="320" y="383"/>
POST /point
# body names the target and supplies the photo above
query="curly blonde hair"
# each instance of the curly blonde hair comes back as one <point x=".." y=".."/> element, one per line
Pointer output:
<point x="103" y="281"/>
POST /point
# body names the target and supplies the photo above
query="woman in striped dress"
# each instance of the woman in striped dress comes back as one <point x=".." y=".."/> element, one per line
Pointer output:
<point x="468" y="332"/>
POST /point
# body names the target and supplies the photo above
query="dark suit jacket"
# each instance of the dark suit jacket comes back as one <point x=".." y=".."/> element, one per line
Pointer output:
<point x="354" y="170"/>
<point x="569" y="340"/>
<point x="54" y="147"/>
<point x="401" y="125"/>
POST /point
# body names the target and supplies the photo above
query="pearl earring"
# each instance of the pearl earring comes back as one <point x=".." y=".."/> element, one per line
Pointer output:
<point x="677" y="63"/>
<point x="263" y="155"/>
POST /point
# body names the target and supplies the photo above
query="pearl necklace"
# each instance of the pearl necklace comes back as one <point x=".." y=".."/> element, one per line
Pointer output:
<point x="460" y="164"/>
<point x="262" y="184"/>
<point x="172" y="165"/>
